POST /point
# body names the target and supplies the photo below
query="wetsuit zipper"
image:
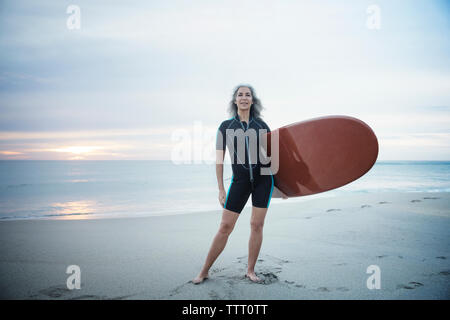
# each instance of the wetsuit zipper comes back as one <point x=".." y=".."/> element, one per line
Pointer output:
<point x="248" y="153"/>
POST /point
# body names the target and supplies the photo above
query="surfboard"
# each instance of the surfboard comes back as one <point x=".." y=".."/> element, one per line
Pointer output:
<point x="322" y="154"/>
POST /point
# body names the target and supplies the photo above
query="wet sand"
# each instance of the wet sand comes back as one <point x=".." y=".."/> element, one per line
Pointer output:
<point x="319" y="249"/>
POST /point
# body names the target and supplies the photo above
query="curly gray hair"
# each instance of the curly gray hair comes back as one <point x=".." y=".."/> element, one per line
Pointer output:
<point x="256" y="107"/>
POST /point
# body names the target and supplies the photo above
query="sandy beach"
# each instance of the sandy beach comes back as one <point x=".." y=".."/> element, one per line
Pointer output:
<point x="319" y="249"/>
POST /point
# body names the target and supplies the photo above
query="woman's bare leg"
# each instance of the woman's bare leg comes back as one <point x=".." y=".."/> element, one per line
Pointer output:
<point x="255" y="241"/>
<point x="229" y="219"/>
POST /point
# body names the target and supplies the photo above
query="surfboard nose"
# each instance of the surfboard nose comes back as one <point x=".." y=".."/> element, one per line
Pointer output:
<point x="324" y="153"/>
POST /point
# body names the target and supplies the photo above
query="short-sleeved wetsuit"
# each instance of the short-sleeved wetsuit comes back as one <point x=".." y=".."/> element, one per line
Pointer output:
<point x="251" y="169"/>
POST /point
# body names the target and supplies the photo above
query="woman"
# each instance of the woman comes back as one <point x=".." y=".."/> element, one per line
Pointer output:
<point x="247" y="177"/>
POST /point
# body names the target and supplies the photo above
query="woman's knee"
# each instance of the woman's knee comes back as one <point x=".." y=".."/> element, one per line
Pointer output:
<point x="256" y="226"/>
<point x="228" y="221"/>
<point x="226" y="228"/>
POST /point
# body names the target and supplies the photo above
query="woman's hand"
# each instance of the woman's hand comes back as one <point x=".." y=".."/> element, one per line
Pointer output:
<point x="222" y="197"/>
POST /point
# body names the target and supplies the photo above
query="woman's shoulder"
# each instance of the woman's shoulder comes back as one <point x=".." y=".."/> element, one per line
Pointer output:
<point x="226" y="123"/>
<point x="261" y="123"/>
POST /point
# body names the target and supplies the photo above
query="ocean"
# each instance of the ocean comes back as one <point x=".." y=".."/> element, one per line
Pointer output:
<point x="107" y="189"/>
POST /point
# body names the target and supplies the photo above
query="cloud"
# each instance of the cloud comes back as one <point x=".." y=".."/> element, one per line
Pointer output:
<point x="163" y="64"/>
<point x="417" y="140"/>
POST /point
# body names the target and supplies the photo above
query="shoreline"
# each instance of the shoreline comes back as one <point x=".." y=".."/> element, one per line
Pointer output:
<point x="277" y="202"/>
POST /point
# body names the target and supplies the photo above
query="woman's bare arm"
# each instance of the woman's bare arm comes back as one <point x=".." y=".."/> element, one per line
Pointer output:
<point x="220" y="155"/>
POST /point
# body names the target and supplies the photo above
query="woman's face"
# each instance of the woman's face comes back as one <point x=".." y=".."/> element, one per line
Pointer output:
<point x="243" y="98"/>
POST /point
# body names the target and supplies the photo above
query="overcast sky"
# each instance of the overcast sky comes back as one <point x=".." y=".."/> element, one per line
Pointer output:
<point x="134" y="76"/>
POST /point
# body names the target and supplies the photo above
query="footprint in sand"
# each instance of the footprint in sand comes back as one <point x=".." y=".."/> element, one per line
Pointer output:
<point x="330" y="210"/>
<point x="216" y="270"/>
<point x="409" y="286"/>
<point x="340" y="264"/>
<point x="55" y="292"/>
<point x="122" y="297"/>
<point x="343" y="289"/>
<point x="226" y="278"/>
<point x="213" y="295"/>
<point x="270" y="267"/>
<point x="266" y="278"/>
<point x="88" y="297"/>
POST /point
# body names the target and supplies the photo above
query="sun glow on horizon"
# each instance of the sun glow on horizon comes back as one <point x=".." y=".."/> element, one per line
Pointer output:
<point x="10" y="153"/>
<point x="77" y="149"/>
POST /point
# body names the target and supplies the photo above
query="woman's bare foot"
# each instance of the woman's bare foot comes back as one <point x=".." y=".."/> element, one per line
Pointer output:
<point x="199" y="279"/>
<point x="252" y="276"/>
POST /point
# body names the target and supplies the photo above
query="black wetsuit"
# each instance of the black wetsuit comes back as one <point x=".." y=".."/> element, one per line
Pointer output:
<point x="251" y="169"/>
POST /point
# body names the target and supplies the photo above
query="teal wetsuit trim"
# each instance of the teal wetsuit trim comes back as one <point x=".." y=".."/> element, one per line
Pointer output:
<point x="228" y="192"/>
<point x="271" y="190"/>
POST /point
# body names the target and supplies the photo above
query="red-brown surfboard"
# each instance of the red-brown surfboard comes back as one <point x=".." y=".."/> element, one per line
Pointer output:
<point x="324" y="153"/>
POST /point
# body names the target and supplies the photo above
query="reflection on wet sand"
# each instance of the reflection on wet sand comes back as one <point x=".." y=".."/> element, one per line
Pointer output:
<point x="74" y="210"/>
